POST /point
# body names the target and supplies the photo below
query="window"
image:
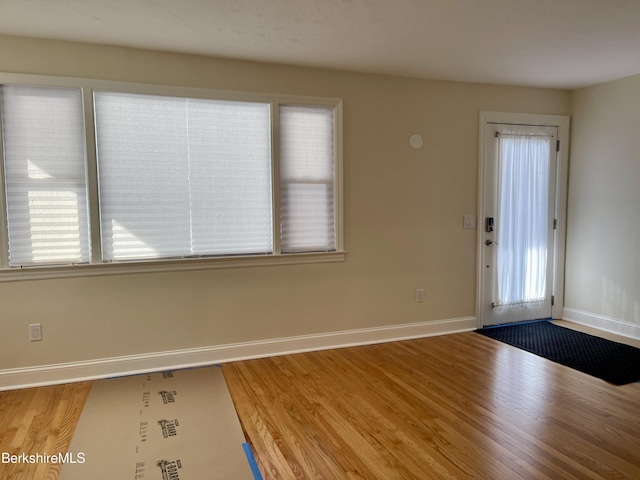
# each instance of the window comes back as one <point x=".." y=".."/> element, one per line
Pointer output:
<point x="97" y="176"/>
<point x="44" y="170"/>
<point x="306" y="179"/>
<point x="199" y="171"/>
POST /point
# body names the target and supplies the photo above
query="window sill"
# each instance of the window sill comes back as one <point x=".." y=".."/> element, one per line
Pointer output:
<point x="124" y="268"/>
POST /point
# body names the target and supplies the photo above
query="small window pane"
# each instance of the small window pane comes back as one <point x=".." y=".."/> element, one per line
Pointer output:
<point x="307" y="179"/>
<point x="44" y="155"/>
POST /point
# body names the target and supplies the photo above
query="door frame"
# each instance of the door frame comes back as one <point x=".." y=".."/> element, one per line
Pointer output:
<point x="562" y="123"/>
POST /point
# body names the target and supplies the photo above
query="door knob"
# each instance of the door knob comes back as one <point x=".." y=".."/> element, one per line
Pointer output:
<point x="490" y="242"/>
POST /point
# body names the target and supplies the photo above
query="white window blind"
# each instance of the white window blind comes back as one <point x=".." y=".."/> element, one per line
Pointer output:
<point x="307" y="210"/>
<point x="183" y="177"/>
<point x="44" y="165"/>
<point x="174" y="173"/>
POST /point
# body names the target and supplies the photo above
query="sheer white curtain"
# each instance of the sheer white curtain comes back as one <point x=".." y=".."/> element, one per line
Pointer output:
<point x="522" y="222"/>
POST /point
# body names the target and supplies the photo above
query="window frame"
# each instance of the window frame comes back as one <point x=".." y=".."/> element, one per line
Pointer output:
<point x="97" y="266"/>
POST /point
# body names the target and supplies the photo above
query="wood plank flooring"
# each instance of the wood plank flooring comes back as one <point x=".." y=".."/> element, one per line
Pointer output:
<point x="454" y="407"/>
<point x="38" y="420"/>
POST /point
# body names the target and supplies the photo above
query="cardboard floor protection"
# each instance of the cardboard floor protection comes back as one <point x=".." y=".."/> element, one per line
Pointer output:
<point x="177" y="425"/>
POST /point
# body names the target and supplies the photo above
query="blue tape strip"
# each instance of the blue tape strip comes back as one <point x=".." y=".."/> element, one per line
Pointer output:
<point x="252" y="461"/>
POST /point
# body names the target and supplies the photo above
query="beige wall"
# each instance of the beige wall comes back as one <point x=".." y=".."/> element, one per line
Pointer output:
<point x="403" y="218"/>
<point x="603" y="239"/>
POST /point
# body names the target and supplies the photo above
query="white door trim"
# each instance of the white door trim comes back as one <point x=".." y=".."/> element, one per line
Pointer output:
<point x="562" y="123"/>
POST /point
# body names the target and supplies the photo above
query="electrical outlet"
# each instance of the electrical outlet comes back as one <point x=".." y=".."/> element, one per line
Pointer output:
<point x="420" y="295"/>
<point x="35" y="332"/>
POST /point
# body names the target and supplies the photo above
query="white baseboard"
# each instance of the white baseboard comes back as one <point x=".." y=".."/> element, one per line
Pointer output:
<point x="134" y="364"/>
<point x="608" y="324"/>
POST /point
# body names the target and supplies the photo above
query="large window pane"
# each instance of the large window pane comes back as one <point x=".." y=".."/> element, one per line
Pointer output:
<point x="230" y="162"/>
<point x="143" y="176"/>
<point x="44" y="155"/>
<point x="182" y="177"/>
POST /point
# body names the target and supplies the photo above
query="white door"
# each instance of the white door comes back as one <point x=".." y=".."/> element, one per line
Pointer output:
<point x="517" y="240"/>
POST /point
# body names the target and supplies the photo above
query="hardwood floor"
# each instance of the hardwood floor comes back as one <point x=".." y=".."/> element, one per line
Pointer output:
<point x="38" y="420"/>
<point x="455" y="407"/>
<point x="452" y="407"/>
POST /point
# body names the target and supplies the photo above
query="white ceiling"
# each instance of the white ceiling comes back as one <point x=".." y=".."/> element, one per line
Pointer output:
<point x="546" y="43"/>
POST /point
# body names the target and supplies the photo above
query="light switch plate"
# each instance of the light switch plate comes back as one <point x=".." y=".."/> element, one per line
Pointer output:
<point x="469" y="221"/>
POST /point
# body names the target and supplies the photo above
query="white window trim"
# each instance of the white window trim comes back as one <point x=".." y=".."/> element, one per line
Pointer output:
<point x="98" y="267"/>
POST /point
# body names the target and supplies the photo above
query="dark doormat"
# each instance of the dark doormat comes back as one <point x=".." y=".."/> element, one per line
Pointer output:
<point x="611" y="361"/>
